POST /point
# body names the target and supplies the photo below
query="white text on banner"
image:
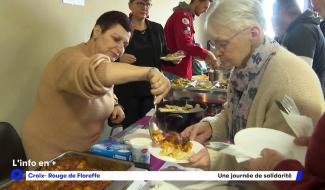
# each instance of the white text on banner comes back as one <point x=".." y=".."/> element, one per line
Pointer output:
<point x="165" y="175"/>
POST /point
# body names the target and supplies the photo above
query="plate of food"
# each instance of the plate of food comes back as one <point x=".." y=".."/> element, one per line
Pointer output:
<point x="173" y="148"/>
<point x="173" y="56"/>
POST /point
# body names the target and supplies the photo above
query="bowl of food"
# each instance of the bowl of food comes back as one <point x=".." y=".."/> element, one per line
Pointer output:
<point x="176" y="115"/>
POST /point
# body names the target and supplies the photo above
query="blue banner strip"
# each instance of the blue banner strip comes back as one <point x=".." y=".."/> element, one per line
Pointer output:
<point x="299" y="176"/>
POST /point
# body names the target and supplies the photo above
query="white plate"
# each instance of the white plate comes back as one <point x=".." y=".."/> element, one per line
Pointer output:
<point x="156" y="150"/>
<point x="253" y="140"/>
<point x="172" y="58"/>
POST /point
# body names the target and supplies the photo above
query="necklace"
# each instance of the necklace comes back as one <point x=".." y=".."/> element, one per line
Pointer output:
<point x="143" y="32"/>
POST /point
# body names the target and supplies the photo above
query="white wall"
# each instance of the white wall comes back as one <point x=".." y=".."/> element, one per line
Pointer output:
<point x="32" y="31"/>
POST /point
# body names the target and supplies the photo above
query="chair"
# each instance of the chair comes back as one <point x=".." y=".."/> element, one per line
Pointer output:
<point x="11" y="148"/>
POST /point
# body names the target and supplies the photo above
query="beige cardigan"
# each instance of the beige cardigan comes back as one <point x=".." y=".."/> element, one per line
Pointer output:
<point x="286" y="74"/>
<point x="71" y="105"/>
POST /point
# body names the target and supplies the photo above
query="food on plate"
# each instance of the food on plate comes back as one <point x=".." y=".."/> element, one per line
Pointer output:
<point x="157" y="136"/>
<point x="180" y="109"/>
<point x="72" y="163"/>
<point x="173" y="145"/>
<point x="176" y="146"/>
<point x="222" y="84"/>
<point x="206" y="85"/>
<point x="180" y="83"/>
<point x="200" y="77"/>
<point x="175" y="55"/>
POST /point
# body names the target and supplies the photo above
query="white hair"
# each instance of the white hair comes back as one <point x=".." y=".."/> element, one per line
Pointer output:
<point x="237" y="14"/>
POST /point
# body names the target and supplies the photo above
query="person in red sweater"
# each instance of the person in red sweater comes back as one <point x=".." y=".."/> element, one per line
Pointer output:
<point x="313" y="174"/>
<point x="179" y="33"/>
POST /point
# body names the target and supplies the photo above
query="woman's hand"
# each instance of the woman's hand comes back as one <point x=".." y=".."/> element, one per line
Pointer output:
<point x="127" y="58"/>
<point x="176" y="62"/>
<point x="200" y="132"/>
<point x="270" y="158"/>
<point x="212" y="60"/>
<point x="117" y="115"/>
<point x="160" y="85"/>
<point x="199" y="160"/>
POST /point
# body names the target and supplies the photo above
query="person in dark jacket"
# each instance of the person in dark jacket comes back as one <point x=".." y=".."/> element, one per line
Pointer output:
<point x="319" y="7"/>
<point x="145" y="48"/>
<point x="299" y="33"/>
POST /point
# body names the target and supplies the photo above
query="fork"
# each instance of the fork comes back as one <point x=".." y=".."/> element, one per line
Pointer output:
<point x="281" y="107"/>
<point x="289" y="104"/>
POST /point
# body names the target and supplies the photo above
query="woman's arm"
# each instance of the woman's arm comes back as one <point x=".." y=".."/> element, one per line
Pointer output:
<point x="91" y="76"/>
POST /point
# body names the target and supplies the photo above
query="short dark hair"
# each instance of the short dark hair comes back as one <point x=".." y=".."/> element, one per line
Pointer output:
<point x="291" y="7"/>
<point x="112" y="18"/>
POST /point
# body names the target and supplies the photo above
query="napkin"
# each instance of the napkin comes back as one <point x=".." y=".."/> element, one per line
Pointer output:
<point x="170" y="166"/>
<point x="239" y="154"/>
<point x="301" y="125"/>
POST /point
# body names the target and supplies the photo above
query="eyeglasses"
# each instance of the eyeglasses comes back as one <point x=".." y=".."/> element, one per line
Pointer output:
<point x="141" y="4"/>
<point x="215" y="45"/>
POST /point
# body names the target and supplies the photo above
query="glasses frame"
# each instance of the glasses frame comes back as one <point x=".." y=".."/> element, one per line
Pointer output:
<point x="214" y="45"/>
<point x="143" y="5"/>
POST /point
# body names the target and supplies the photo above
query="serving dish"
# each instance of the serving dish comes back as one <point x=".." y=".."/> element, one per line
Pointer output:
<point x="95" y="162"/>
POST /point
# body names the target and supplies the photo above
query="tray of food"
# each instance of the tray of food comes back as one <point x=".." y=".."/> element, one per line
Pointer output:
<point x="181" y="83"/>
<point x="200" y="77"/>
<point x="201" y="85"/>
<point x="76" y="161"/>
<point x="205" y="86"/>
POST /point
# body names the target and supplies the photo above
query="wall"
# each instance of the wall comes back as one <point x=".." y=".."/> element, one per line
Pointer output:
<point x="32" y="31"/>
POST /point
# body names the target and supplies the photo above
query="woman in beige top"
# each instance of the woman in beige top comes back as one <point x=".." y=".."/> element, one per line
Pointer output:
<point x="75" y="94"/>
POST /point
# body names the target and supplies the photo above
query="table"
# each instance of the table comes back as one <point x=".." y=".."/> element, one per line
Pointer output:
<point x="156" y="164"/>
<point x="142" y="123"/>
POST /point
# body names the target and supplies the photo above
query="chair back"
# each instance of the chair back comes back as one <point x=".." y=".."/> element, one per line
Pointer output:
<point x="11" y="148"/>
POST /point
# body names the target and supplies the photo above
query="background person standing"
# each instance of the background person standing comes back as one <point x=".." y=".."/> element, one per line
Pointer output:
<point x="300" y="33"/>
<point x="145" y="48"/>
<point x="179" y="32"/>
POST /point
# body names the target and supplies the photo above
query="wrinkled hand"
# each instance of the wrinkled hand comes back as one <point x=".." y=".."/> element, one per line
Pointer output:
<point x="128" y="58"/>
<point x="160" y="85"/>
<point x="270" y="158"/>
<point x="302" y="141"/>
<point x="212" y="60"/>
<point x="117" y="115"/>
<point x="200" y="132"/>
<point x="199" y="160"/>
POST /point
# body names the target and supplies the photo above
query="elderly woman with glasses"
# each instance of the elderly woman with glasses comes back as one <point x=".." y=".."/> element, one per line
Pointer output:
<point x="262" y="72"/>
<point x="145" y="48"/>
